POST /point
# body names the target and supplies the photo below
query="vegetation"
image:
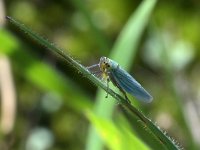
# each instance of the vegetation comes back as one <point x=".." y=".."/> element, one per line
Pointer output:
<point x="49" y="100"/>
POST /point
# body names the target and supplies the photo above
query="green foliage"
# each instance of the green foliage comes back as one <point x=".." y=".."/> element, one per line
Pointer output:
<point x="160" y="39"/>
<point x="114" y="137"/>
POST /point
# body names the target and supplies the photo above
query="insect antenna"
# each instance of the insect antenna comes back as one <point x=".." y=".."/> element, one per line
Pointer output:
<point x="95" y="70"/>
<point x="93" y="66"/>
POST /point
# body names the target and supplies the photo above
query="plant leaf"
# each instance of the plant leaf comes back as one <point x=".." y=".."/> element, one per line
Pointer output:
<point x="115" y="138"/>
<point x="123" y="52"/>
<point x="169" y="144"/>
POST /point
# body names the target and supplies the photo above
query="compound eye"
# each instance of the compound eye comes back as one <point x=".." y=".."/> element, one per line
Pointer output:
<point x="107" y="65"/>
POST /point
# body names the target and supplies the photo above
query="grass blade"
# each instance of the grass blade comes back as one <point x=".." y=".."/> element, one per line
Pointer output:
<point x="126" y="46"/>
<point x="168" y="144"/>
<point x="115" y="137"/>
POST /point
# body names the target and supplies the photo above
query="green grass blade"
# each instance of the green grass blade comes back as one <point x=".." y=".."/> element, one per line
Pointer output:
<point x="115" y="137"/>
<point x="163" y="141"/>
<point x="148" y="124"/>
<point x="123" y="52"/>
<point x="128" y="40"/>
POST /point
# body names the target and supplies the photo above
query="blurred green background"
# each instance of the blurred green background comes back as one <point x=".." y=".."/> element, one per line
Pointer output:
<point x="44" y="102"/>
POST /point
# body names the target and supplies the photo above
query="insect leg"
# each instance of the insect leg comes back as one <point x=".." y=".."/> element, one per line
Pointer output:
<point x="126" y="97"/>
<point x="108" y="80"/>
<point x="95" y="72"/>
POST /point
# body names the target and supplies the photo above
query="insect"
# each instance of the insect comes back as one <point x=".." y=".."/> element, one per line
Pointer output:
<point x="111" y="71"/>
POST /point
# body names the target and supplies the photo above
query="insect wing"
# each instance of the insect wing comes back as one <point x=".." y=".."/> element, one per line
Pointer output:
<point x="130" y="85"/>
